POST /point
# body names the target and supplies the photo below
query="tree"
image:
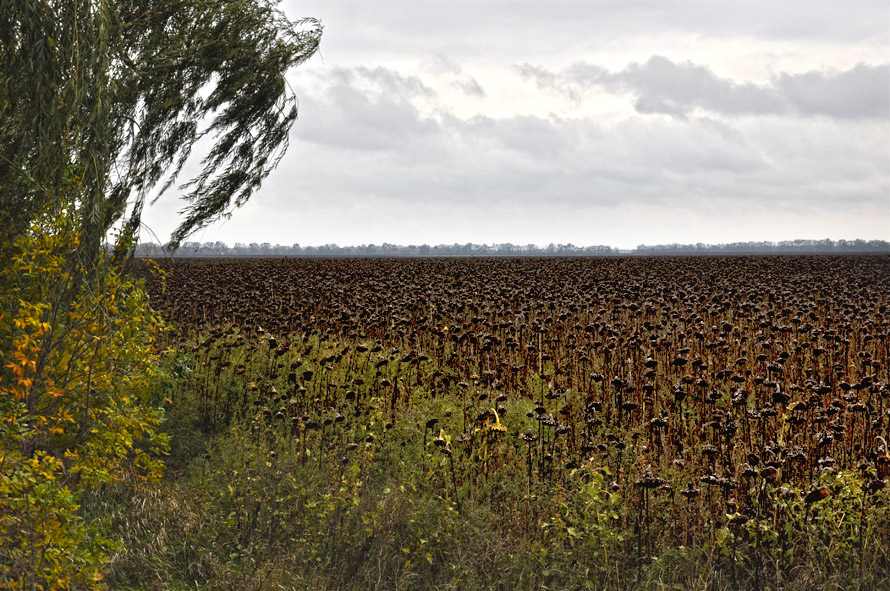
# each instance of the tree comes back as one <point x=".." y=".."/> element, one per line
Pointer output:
<point x="101" y="103"/>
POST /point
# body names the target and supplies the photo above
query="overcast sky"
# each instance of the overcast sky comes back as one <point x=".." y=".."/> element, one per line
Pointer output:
<point x="616" y="123"/>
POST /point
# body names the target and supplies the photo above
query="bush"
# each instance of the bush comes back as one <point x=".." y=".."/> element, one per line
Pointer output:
<point x="78" y="402"/>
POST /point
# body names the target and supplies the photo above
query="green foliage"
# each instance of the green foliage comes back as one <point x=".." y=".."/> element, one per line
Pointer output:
<point x="44" y="540"/>
<point x="77" y="402"/>
<point x="100" y="101"/>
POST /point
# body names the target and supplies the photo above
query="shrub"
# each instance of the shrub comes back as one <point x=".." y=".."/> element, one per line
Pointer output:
<point x="78" y="404"/>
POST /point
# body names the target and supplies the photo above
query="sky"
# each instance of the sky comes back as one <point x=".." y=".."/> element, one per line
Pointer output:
<point x="613" y="123"/>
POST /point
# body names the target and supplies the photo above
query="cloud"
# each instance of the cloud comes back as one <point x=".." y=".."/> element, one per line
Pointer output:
<point x="441" y="66"/>
<point x="522" y="30"/>
<point x="382" y="80"/>
<point x="863" y="92"/>
<point x="365" y="109"/>
<point x="470" y="86"/>
<point x="772" y="123"/>
<point x="662" y="86"/>
<point x="570" y="179"/>
<point x="392" y="148"/>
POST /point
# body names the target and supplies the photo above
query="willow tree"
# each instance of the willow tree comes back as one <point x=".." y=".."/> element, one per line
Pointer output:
<point x="101" y="104"/>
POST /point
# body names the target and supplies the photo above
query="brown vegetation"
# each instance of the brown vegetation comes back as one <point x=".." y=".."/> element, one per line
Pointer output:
<point x="738" y="404"/>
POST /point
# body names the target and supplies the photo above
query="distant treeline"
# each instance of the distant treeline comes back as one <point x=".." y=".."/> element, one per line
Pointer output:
<point x="265" y="249"/>
<point x="786" y="246"/>
<point x="220" y="249"/>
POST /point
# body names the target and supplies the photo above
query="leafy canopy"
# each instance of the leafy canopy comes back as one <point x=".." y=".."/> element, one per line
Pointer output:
<point x="101" y="103"/>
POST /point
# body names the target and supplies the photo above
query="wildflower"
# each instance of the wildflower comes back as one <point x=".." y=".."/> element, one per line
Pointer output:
<point x="496" y="425"/>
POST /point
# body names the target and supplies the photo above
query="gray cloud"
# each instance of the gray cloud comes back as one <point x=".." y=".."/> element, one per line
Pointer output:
<point x="441" y="65"/>
<point x="470" y="86"/>
<point x="510" y="29"/>
<point x="381" y="154"/>
<point x="859" y="93"/>
<point x="664" y="87"/>
<point x="365" y="109"/>
<point x="365" y="167"/>
<point x="382" y="79"/>
<point x="520" y="160"/>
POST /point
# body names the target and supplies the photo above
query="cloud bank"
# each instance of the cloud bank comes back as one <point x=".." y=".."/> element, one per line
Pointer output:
<point x="593" y="123"/>
<point x="661" y="86"/>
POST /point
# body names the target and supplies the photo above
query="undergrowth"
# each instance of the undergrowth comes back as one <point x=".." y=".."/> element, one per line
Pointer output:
<point x="305" y="463"/>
